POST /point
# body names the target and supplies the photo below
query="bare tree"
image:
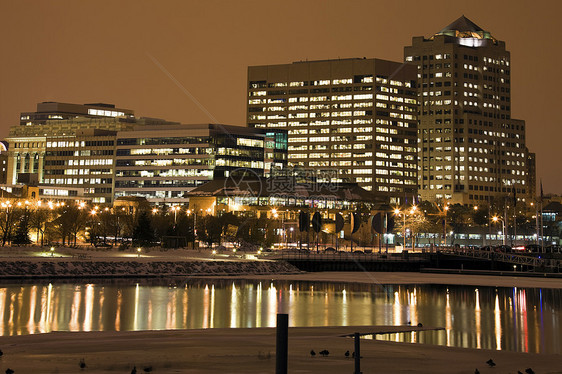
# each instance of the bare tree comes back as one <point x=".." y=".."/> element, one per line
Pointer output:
<point x="9" y="216"/>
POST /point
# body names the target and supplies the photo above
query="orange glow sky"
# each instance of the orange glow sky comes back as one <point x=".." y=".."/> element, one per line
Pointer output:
<point x="100" y="51"/>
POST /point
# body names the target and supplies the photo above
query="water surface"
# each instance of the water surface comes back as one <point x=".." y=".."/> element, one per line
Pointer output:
<point x="516" y="319"/>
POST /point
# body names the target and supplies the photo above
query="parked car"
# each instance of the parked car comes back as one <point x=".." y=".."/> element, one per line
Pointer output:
<point x="530" y="248"/>
<point x="503" y="248"/>
<point x="330" y="250"/>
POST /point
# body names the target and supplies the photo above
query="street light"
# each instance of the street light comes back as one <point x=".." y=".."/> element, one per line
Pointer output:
<point x="398" y="212"/>
<point x="52" y="251"/>
<point x="496" y="219"/>
<point x="139" y="249"/>
<point x="175" y="209"/>
<point x="446" y="209"/>
<point x="194" y="224"/>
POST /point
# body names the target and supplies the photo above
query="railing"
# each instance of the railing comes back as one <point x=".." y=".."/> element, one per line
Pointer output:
<point x="531" y="262"/>
<point x="512" y="258"/>
<point x="352" y="256"/>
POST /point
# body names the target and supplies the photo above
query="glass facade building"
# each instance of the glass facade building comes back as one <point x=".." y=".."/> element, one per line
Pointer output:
<point x="163" y="163"/>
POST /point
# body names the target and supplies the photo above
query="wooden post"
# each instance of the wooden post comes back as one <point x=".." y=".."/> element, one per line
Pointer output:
<point x="357" y="354"/>
<point x="282" y="344"/>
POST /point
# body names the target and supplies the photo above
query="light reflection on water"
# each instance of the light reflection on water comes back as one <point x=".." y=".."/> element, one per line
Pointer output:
<point x="517" y="319"/>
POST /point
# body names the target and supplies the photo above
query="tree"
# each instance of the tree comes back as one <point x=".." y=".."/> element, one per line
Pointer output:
<point x="22" y="232"/>
<point x="481" y="216"/>
<point x="143" y="233"/>
<point x="70" y="221"/>
<point x="39" y="219"/>
<point x="414" y="220"/>
<point x="9" y="216"/>
<point x="258" y="231"/>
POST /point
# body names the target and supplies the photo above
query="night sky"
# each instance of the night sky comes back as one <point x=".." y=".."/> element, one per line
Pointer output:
<point x="137" y="54"/>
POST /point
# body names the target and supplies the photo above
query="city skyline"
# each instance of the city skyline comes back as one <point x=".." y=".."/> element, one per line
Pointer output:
<point x="128" y="54"/>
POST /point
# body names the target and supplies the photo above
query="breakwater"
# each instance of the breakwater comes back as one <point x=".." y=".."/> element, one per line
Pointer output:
<point x="97" y="268"/>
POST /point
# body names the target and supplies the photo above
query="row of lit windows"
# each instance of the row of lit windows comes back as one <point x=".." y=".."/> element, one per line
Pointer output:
<point x="325" y="82"/>
<point x="103" y="161"/>
<point x="78" y="181"/>
<point x="87" y="171"/>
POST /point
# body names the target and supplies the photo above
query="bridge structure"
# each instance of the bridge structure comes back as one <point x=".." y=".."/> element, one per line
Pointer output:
<point x="466" y="258"/>
<point x="536" y="262"/>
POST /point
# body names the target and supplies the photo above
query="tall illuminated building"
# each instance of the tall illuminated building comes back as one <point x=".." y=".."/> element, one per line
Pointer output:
<point x="470" y="150"/>
<point x="348" y="120"/>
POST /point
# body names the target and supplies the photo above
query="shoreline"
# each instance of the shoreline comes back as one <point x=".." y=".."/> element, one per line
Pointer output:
<point x="416" y="278"/>
<point x="252" y="351"/>
<point x="375" y="278"/>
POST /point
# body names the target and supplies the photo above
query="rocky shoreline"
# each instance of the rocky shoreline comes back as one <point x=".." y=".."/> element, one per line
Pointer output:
<point x="138" y="269"/>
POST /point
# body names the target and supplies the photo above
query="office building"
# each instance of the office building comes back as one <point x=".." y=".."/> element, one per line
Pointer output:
<point x="163" y="163"/>
<point x="349" y="120"/>
<point x="470" y="150"/>
<point x="49" y="110"/>
<point x="107" y="157"/>
<point x="531" y="174"/>
<point x="86" y="159"/>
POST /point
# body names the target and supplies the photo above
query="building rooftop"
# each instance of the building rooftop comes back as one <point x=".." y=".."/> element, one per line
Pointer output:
<point x="462" y="27"/>
<point x="282" y="187"/>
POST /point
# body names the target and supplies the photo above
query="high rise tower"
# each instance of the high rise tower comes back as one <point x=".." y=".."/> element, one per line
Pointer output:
<point x="470" y="150"/>
<point x="350" y="120"/>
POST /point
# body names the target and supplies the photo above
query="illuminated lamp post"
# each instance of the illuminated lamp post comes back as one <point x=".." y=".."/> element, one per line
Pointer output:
<point x="496" y="219"/>
<point x="412" y="212"/>
<point x="398" y="213"/>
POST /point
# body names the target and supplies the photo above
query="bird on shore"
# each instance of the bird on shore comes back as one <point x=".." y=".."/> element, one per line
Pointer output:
<point x="9" y="371"/>
<point x="420" y="324"/>
<point x="134" y="371"/>
<point x="147" y="369"/>
<point x="346" y="354"/>
<point x="312" y="353"/>
<point x="82" y="364"/>
<point x="476" y="371"/>
<point x="529" y="371"/>
<point x="491" y="363"/>
<point x="324" y="352"/>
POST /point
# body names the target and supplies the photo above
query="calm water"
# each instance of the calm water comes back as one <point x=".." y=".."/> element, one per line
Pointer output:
<point x="517" y="319"/>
